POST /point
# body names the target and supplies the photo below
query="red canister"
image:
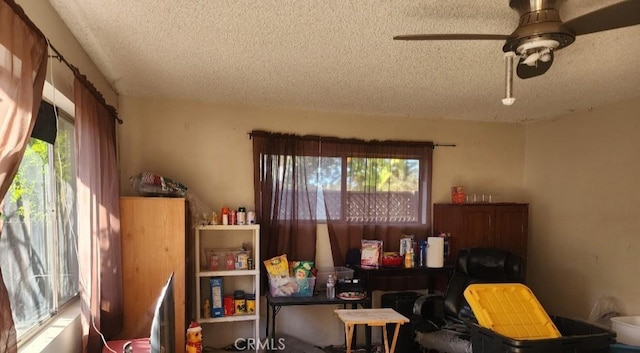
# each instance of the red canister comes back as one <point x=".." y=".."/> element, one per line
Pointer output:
<point x="229" y="305"/>
<point x="233" y="217"/>
<point x="230" y="261"/>
<point x="213" y="263"/>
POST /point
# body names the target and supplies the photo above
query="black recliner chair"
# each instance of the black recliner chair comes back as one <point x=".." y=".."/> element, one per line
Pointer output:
<point x="439" y="322"/>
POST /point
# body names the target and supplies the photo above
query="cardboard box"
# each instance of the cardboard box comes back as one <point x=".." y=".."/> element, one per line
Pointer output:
<point x="216" y="297"/>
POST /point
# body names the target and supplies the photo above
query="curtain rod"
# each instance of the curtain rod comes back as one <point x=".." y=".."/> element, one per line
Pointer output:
<point x="434" y="145"/>
<point x="82" y="78"/>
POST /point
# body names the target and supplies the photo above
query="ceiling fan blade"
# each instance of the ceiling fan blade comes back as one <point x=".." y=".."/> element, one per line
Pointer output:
<point x="525" y="71"/>
<point x="452" y="37"/>
<point x="622" y="14"/>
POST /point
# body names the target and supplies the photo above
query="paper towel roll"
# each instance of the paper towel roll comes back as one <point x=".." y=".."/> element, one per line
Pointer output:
<point x="435" y="252"/>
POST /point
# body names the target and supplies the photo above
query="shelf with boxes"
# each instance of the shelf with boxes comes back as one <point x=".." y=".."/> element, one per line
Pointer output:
<point x="227" y="278"/>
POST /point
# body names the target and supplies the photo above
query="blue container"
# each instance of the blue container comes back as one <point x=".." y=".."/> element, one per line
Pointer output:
<point x="422" y="253"/>
<point x="623" y="348"/>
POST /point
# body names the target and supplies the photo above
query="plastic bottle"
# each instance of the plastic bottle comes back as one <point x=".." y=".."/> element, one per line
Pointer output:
<point x="422" y="253"/>
<point x="242" y="216"/>
<point x="331" y="287"/>
<point x="224" y="214"/>
<point x="408" y="258"/>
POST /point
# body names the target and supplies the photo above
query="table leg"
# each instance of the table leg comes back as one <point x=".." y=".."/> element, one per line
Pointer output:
<point x="355" y="332"/>
<point x="367" y="328"/>
<point x="367" y="338"/>
<point x="348" y="332"/>
<point x="386" y="340"/>
<point x="274" y="311"/>
<point x="266" y="330"/>
<point x="395" y="338"/>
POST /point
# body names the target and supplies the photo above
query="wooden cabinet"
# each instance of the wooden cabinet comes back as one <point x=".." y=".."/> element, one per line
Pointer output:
<point x="154" y="244"/>
<point x="501" y="225"/>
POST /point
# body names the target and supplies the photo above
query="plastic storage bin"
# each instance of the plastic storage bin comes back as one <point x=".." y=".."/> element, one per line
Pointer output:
<point x="222" y="259"/>
<point x="623" y="348"/>
<point x="291" y="287"/>
<point x="338" y="272"/>
<point x="510" y="309"/>
<point x="627" y="329"/>
<point x="577" y="337"/>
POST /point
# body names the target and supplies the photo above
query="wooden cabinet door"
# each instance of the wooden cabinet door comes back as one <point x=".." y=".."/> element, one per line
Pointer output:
<point x="479" y="225"/>
<point x="511" y="228"/>
<point x="483" y="225"/>
<point x="153" y="231"/>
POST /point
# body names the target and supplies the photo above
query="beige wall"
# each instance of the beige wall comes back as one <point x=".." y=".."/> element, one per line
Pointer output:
<point x="206" y="147"/>
<point x="45" y="18"/>
<point x="582" y="174"/>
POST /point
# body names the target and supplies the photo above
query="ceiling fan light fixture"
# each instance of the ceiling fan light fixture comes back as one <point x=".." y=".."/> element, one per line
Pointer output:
<point x="535" y="45"/>
<point x="536" y="49"/>
<point x="545" y="57"/>
<point x="531" y="59"/>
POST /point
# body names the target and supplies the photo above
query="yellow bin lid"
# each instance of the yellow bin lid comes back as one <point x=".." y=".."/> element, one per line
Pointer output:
<point x="511" y="310"/>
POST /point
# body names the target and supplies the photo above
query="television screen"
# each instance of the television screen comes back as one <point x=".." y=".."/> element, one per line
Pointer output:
<point x="163" y="324"/>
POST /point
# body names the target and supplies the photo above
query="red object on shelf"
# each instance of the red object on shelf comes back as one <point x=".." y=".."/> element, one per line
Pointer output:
<point x="392" y="260"/>
<point x="457" y="194"/>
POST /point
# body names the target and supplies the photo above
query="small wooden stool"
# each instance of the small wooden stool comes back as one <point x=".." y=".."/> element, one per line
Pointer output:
<point x="371" y="317"/>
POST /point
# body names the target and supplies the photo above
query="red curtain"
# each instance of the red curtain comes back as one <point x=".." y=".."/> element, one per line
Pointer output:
<point x="99" y="247"/>
<point x="292" y="172"/>
<point x="285" y="201"/>
<point x="23" y="63"/>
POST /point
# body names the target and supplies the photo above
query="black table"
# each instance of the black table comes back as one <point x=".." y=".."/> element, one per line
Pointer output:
<point x="371" y="277"/>
<point x="274" y="304"/>
<point x="427" y="280"/>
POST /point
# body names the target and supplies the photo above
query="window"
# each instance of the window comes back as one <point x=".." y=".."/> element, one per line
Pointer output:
<point x="352" y="181"/>
<point x="378" y="190"/>
<point x="39" y="238"/>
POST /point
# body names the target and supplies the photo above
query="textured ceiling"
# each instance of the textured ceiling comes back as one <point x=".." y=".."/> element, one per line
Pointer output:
<point x="338" y="55"/>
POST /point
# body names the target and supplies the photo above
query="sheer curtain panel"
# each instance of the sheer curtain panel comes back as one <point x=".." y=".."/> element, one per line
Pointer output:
<point x="385" y="193"/>
<point x="99" y="247"/>
<point x="23" y="62"/>
<point x="361" y="189"/>
<point x="285" y="195"/>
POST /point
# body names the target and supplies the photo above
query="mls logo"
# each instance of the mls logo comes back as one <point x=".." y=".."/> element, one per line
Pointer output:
<point x="252" y="344"/>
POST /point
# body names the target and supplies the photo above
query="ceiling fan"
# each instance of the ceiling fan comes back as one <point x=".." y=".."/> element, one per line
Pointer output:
<point x="541" y="32"/>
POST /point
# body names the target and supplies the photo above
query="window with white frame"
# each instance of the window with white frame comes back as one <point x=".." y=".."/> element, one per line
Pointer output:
<point x="39" y="239"/>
